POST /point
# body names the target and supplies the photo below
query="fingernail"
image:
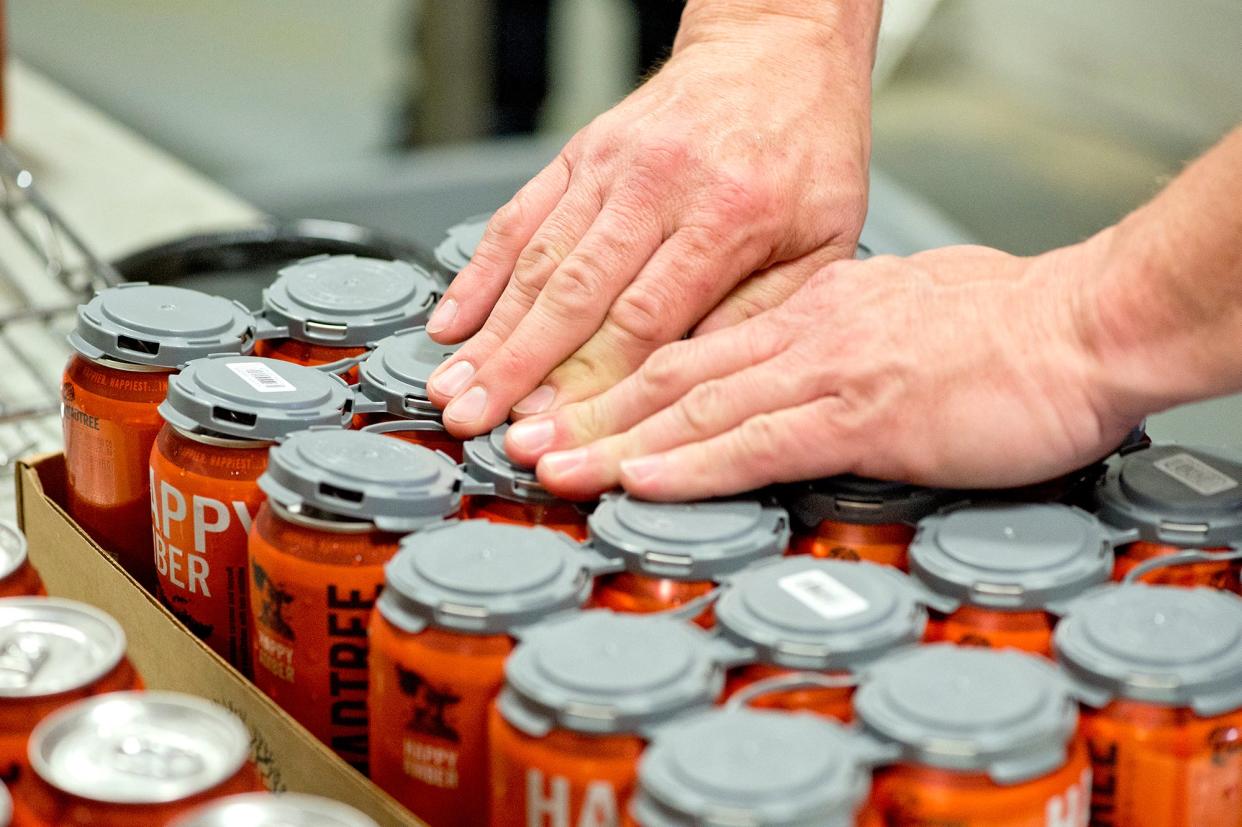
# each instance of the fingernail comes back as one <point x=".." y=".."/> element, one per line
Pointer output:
<point x="532" y="435"/>
<point x="537" y="401"/>
<point x="443" y="316"/>
<point x="451" y="381"/>
<point x="642" y="469"/>
<point x="560" y="463"/>
<point x="467" y="407"/>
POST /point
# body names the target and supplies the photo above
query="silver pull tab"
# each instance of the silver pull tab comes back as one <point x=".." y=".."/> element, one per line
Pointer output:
<point x="145" y="758"/>
<point x="786" y="683"/>
<point x="21" y="658"/>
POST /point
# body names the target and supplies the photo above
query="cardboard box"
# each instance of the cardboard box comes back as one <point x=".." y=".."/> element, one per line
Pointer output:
<point x="169" y="657"/>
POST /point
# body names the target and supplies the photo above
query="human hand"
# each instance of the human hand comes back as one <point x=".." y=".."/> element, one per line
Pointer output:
<point x="748" y="149"/>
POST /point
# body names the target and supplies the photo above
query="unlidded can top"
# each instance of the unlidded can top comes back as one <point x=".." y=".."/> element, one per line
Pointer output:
<point x="481" y="577"/>
<point x="6" y="806"/>
<point x="490" y="472"/>
<point x="395" y="375"/>
<point x="346" y="300"/>
<point x="1000" y="712"/>
<point x="821" y="615"/>
<point x="1176" y="495"/>
<point x="687" y="541"/>
<point x="460" y="242"/>
<point x="12" y="548"/>
<point x="861" y="501"/>
<point x="49" y="645"/>
<point x="160" y="326"/>
<point x="395" y="485"/>
<point x="758" y="768"/>
<point x="254" y="398"/>
<point x="267" y="810"/>
<point x="1164" y="645"/>
<point x="1017" y="556"/>
<point x="139" y="747"/>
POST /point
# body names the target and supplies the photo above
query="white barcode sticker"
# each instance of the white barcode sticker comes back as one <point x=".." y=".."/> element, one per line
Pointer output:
<point x="1196" y="474"/>
<point x="823" y="594"/>
<point x="260" y="377"/>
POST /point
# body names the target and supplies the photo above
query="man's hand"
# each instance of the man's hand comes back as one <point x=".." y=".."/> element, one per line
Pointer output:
<point x="747" y="152"/>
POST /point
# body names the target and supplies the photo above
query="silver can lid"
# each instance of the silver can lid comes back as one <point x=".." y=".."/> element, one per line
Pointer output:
<point x="6" y="806"/>
<point x="752" y="767"/>
<point x="1182" y="496"/>
<point x="348" y="301"/>
<point x="254" y="398"/>
<point x="602" y="672"/>
<point x="485" y="578"/>
<point x="1000" y="712"/>
<point x="151" y="324"/>
<point x="1012" y="556"/>
<point x="1157" y="644"/>
<point x="397" y="371"/>
<point x="12" y="548"/>
<point x="267" y="810"/>
<point x="687" y="541"/>
<point x="139" y="747"/>
<point x="821" y="615"/>
<point x="489" y="471"/>
<point x="49" y="645"/>
<point x="460" y="242"/>
<point x="861" y="501"/>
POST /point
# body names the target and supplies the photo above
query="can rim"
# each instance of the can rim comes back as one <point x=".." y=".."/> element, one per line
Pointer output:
<point x="335" y="526"/>
<point x="105" y="665"/>
<point x="117" y="364"/>
<point x="22" y="551"/>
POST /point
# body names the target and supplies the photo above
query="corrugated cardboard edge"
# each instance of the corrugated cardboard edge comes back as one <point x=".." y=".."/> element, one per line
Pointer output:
<point x="169" y="657"/>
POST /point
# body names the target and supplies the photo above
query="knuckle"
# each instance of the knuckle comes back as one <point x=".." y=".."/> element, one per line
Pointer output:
<point x="663" y="154"/>
<point x="664" y="367"/>
<point x="640" y="315"/>
<point x="761" y="440"/>
<point x="578" y="283"/>
<point x="742" y="194"/>
<point x="699" y="409"/>
<point x="505" y="222"/>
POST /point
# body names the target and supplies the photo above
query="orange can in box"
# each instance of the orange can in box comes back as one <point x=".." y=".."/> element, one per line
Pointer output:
<point x="456" y="596"/>
<point x="127" y="342"/>
<point x="1160" y="671"/>
<point x="17" y="576"/>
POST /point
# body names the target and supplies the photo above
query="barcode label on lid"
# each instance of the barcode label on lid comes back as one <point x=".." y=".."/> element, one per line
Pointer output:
<point x="260" y="377"/>
<point x="823" y="594"/>
<point x="1196" y="474"/>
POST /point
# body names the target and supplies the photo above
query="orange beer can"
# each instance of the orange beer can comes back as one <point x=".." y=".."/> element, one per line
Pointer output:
<point x="132" y="759"/>
<point x="267" y="810"/>
<point x="1177" y="498"/>
<point x="1007" y="570"/>
<point x="327" y="310"/>
<point x="220" y="418"/>
<point x="337" y="504"/>
<point x="460" y="241"/>
<point x="127" y="342"/>
<point x="499" y="490"/>
<point x="854" y="518"/>
<point x="392" y="391"/>
<point x="1160" y="672"/>
<point x="675" y="553"/>
<point x="581" y="697"/>
<point x="53" y="652"/>
<point x="830" y="617"/>
<point x="456" y="596"/>
<point x="18" y="577"/>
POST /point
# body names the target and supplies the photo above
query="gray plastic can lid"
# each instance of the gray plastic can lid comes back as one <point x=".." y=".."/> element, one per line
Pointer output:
<point x="139" y="747"/>
<point x="1163" y="645"/>
<point x="254" y="398"/>
<point x="602" y="672"/>
<point x="149" y="324"/>
<point x="822" y="615"/>
<point x="761" y="768"/>
<point x="348" y="301"/>
<point x="12" y="548"/>
<point x="484" y="578"/>
<point x="393" y="484"/>
<point x="1000" y="712"/>
<point x="687" y="541"/>
<point x="1184" y="496"/>
<point x="1012" y="556"/>
<point x="267" y="810"/>
<point x="397" y="371"/>
<point x="487" y="464"/>
<point x="859" y="500"/>
<point x="460" y="242"/>
<point x="49" y="645"/>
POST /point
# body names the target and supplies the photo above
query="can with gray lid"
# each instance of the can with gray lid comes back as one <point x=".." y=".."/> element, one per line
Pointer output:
<point x="460" y="242"/>
<point x="266" y="810"/>
<point x="51" y="646"/>
<point x="767" y="769"/>
<point x="501" y="490"/>
<point x="17" y="576"/>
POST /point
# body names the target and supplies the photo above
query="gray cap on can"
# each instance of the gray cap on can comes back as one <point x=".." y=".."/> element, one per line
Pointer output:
<point x="49" y="645"/>
<point x="485" y="578"/>
<point x="859" y="500"/>
<point x="821" y="615"/>
<point x="1156" y="644"/>
<point x="760" y="768"/>
<point x="602" y="672"/>
<point x="139" y="747"/>
<point x="267" y="810"/>
<point x="12" y="548"/>
<point x="347" y="300"/>
<point x="395" y="374"/>
<point x="1177" y="495"/>
<point x="687" y="541"/>
<point x="460" y="242"/>
<point x="1000" y="712"/>
<point x="396" y="485"/>
<point x="1012" y="556"/>
<point x="148" y="324"/>
<point x="254" y="398"/>
<point x="489" y="471"/>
